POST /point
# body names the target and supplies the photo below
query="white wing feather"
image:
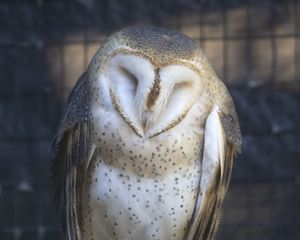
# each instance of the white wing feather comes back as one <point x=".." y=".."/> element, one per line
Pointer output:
<point x="213" y="163"/>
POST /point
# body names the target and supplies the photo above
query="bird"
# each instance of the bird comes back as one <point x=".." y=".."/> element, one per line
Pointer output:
<point x="146" y="143"/>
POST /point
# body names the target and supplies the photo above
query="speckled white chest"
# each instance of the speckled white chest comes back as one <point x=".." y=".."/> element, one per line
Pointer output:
<point x="141" y="188"/>
<point x="129" y="207"/>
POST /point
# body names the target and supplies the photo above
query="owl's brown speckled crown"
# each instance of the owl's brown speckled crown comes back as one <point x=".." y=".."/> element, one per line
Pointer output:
<point x="160" y="45"/>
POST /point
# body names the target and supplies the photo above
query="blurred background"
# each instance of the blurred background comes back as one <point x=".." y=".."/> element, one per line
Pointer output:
<point x="254" y="48"/>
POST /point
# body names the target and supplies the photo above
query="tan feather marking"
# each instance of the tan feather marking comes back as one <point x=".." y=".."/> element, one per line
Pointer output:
<point x="154" y="93"/>
<point x="122" y="113"/>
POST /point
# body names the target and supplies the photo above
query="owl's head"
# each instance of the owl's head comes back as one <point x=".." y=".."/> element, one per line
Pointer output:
<point x="150" y="76"/>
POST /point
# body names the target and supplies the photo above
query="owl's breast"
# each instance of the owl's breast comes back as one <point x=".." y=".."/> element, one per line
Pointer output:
<point x="122" y="205"/>
<point x="141" y="188"/>
<point x="149" y="157"/>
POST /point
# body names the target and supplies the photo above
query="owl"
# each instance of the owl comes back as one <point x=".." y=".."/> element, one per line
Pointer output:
<point x="146" y="143"/>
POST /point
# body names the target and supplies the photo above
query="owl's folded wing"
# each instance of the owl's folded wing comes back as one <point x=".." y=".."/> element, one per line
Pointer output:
<point x="222" y="141"/>
<point x="70" y="150"/>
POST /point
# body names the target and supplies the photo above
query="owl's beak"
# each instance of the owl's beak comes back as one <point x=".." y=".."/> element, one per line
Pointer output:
<point x="149" y="104"/>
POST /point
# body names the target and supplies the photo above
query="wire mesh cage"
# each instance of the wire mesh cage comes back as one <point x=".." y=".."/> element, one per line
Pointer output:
<point x="254" y="48"/>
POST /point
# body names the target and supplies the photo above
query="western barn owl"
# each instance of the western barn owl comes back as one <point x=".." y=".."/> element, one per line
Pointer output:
<point x="146" y="143"/>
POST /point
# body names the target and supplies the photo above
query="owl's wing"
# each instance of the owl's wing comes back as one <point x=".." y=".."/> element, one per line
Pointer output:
<point x="221" y="142"/>
<point x="70" y="151"/>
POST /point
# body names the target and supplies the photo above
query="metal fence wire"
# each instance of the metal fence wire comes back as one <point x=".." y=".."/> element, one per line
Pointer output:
<point x="254" y="47"/>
